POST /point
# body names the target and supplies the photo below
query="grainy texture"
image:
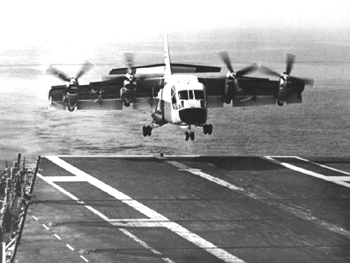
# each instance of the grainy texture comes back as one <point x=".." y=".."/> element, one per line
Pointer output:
<point x="318" y="127"/>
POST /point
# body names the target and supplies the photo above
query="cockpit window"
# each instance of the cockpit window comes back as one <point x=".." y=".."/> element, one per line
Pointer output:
<point x="199" y="94"/>
<point x="183" y="95"/>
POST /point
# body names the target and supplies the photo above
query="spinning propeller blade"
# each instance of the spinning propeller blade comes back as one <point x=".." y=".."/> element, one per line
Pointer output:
<point x="129" y="60"/>
<point x="226" y="59"/>
<point x="57" y="73"/>
<point x="247" y="70"/>
<point x="290" y="63"/>
<point x="269" y="71"/>
<point x="86" y="67"/>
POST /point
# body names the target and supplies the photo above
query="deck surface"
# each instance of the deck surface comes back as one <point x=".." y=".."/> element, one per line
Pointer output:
<point x="189" y="209"/>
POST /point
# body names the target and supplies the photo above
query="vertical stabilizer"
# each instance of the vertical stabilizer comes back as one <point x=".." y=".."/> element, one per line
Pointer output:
<point x="167" y="71"/>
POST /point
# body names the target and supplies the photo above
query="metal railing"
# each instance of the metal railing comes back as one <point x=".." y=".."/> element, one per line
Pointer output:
<point x="16" y="189"/>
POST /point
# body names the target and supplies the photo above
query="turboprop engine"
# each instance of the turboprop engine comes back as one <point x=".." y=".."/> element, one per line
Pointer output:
<point x="71" y="94"/>
<point x="288" y="85"/>
<point x="232" y="78"/>
<point x="128" y="91"/>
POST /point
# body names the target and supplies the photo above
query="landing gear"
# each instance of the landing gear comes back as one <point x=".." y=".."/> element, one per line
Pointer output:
<point x="147" y="130"/>
<point x="208" y="129"/>
<point x="189" y="135"/>
<point x="280" y="103"/>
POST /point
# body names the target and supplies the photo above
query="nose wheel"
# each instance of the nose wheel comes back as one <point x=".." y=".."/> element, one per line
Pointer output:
<point x="147" y="130"/>
<point x="208" y="129"/>
<point x="189" y="135"/>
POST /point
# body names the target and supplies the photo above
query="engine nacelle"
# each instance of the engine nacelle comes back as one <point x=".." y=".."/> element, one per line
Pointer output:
<point x="128" y="94"/>
<point x="229" y="91"/>
<point x="289" y="88"/>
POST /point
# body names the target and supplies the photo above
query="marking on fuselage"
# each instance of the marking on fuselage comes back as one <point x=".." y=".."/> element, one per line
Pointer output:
<point x="172" y="226"/>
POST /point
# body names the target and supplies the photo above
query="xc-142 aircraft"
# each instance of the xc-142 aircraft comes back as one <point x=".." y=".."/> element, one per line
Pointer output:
<point x="178" y="94"/>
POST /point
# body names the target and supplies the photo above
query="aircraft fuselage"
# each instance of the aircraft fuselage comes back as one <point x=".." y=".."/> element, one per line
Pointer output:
<point x="182" y="101"/>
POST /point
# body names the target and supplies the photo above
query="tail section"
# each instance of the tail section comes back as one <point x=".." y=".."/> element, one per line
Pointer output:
<point x="167" y="71"/>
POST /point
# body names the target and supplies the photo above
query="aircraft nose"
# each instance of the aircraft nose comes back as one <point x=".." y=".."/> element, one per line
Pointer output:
<point x="193" y="115"/>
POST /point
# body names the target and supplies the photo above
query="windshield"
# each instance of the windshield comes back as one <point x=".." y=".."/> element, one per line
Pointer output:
<point x="199" y="94"/>
<point x="194" y="94"/>
<point x="183" y="95"/>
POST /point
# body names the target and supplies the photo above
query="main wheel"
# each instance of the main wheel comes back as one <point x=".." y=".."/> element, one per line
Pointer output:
<point x="280" y="103"/>
<point x="210" y="129"/>
<point x="149" y="130"/>
<point x="192" y="136"/>
<point x="144" y="131"/>
<point x="187" y="136"/>
<point x="205" y="129"/>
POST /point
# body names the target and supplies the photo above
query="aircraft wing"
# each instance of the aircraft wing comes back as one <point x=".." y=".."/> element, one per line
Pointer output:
<point x="105" y="95"/>
<point x="252" y="92"/>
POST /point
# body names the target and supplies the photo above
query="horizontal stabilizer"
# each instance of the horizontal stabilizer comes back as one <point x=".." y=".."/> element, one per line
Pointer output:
<point x="159" y="68"/>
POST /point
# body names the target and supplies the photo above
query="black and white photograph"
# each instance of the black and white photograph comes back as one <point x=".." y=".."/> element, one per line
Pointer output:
<point x="175" y="131"/>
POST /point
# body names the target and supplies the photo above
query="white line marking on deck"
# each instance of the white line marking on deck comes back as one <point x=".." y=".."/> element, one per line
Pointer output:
<point x="308" y="172"/>
<point x="205" y="176"/>
<point x="136" y="239"/>
<point x="57" y="236"/>
<point x="35" y="218"/>
<point x="297" y="212"/>
<point x="84" y="259"/>
<point x="70" y="247"/>
<point x="46" y="227"/>
<point x="174" y="227"/>
<point x="324" y="166"/>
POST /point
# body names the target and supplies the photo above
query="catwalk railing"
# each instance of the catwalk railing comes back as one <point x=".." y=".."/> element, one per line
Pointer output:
<point x="16" y="189"/>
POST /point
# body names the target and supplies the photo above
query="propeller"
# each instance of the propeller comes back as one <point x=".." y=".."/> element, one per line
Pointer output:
<point x="232" y="85"/>
<point x="129" y="57"/>
<point x="289" y="66"/>
<point x="226" y="59"/>
<point x="57" y="73"/>
<point x="71" y="93"/>
<point x="86" y="67"/>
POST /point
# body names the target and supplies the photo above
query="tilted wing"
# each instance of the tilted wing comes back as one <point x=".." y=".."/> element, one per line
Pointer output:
<point x="105" y="95"/>
<point x="253" y="92"/>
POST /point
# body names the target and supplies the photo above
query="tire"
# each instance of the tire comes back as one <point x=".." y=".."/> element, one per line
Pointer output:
<point x="192" y="136"/>
<point x="149" y="130"/>
<point x="210" y="129"/>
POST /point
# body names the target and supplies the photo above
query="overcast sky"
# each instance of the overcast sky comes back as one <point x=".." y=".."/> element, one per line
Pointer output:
<point x="59" y="22"/>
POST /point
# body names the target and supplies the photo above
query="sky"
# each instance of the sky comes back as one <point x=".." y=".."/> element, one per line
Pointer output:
<point x="58" y="23"/>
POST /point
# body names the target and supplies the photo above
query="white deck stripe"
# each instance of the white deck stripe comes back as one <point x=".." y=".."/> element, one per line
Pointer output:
<point x="324" y="166"/>
<point x="136" y="239"/>
<point x="84" y="259"/>
<point x="308" y="172"/>
<point x="297" y="212"/>
<point x="70" y="247"/>
<point x="183" y="232"/>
